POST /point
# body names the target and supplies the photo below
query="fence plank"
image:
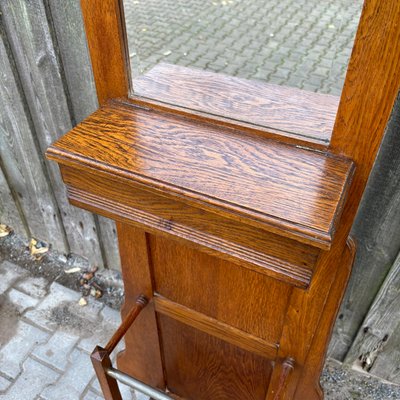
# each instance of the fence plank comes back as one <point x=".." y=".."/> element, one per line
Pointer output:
<point x="68" y="26"/>
<point x="21" y="161"/>
<point x="9" y="213"/>
<point x="32" y="45"/>
<point x="110" y="243"/>
<point x="376" y="348"/>
<point x="378" y="241"/>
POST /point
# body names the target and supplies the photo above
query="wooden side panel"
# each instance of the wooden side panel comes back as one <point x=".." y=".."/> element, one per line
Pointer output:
<point x="236" y="296"/>
<point x="105" y="31"/>
<point x="310" y="387"/>
<point x="143" y="360"/>
<point x="308" y="324"/>
<point x="202" y="367"/>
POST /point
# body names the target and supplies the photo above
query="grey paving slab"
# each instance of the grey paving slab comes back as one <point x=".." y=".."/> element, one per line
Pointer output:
<point x="126" y="392"/>
<point x="90" y="395"/>
<point x="111" y="316"/>
<point x="14" y="352"/>
<point x="21" y="301"/>
<point x="4" y="384"/>
<point x="9" y="273"/>
<point x="33" y="286"/>
<point x="34" y="378"/>
<point x="58" y="296"/>
<point x="107" y="323"/>
<point x="74" y="381"/>
<point x="57" y="350"/>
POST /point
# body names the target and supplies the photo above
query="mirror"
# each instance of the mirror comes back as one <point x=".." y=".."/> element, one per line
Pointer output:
<point x="188" y="52"/>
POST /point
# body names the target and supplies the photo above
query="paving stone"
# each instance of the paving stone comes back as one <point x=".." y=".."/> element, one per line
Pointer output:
<point x="33" y="286"/>
<point x="100" y="337"/>
<point x="74" y="381"/>
<point x="4" y="384"/>
<point x="58" y="295"/>
<point x="14" y="352"/>
<point x="9" y="273"/>
<point x="56" y="351"/>
<point x="126" y="392"/>
<point x="107" y="323"/>
<point x="111" y="316"/>
<point x="141" y="396"/>
<point x="21" y="300"/>
<point x="33" y="379"/>
<point x="90" y="395"/>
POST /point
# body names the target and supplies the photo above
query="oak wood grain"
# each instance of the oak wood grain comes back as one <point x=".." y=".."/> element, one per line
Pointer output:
<point x="245" y="245"/>
<point x="291" y="191"/>
<point x="370" y="89"/>
<point x="202" y="367"/>
<point x="143" y="358"/>
<point x="219" y="289"/>
<point x="106" y="36"/>
<point x="215" y="328"/>
<point x="283" y="109"/>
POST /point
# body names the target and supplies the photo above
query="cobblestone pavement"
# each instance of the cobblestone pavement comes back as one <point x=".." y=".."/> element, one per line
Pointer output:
<point x="302" y="43"/>
<point x="46" y="339"/>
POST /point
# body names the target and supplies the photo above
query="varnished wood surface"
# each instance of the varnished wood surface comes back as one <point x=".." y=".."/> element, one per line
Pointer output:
<point x="245" y="245"/>
<point x="142" y="357"/>
<point x="197" y="365"/>
<point x="238" y="297"/>
<point x="292" y="191"/>
<point x="281" y="108"/>
<point x="310" y="386"/>
<point x="106" y="36"/>
<point x="371" y="87"/>
<point x="202" y="367"/>
<point x="215" y="328"/>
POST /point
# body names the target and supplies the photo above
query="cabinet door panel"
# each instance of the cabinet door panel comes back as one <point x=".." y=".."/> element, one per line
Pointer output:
<point x="222" y="290"/>
<point x="201" y="367"/>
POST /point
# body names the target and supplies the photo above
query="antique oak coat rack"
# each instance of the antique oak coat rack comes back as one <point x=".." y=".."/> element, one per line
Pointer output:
<point x="234" y="240"/>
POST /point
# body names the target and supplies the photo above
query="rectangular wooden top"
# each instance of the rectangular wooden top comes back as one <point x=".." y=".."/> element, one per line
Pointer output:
<point x="294" y="192"/>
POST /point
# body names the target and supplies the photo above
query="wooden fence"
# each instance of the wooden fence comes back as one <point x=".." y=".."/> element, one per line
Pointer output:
<point x="46" y="87"/>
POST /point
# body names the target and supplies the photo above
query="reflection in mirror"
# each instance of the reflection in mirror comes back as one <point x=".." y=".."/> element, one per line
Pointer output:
<point x="240" y="58"/>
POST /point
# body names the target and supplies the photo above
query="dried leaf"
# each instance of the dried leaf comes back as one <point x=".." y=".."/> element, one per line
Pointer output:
<point x="88" y="276"/>
<point x="82" y="281"/>
<point x="4" y="230"/>
<point x="83" y="302"/>
<point x="37" y="247"/>
<point x="72" y="270"/>
<point x="96" y="293"/>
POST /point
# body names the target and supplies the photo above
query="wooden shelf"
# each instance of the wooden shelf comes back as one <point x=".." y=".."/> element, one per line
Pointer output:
<point x="228" y="191"/>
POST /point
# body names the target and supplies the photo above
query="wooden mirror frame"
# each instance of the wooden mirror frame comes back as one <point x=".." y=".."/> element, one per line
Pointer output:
<point x="370" y="89"/>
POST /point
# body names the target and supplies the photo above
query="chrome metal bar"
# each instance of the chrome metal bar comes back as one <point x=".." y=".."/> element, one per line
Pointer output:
<point x="137" y="385"/>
